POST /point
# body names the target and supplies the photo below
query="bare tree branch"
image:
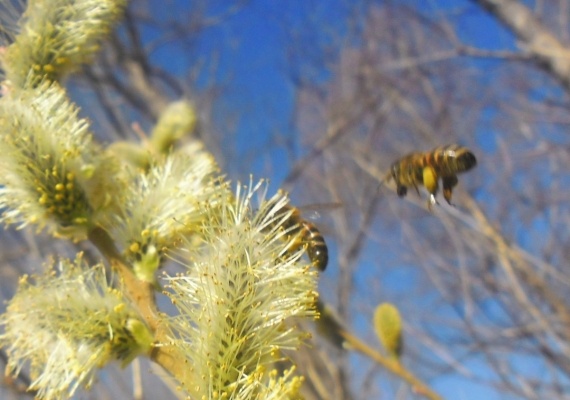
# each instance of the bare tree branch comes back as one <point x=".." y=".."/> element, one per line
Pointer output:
<point x="534" y="36"/>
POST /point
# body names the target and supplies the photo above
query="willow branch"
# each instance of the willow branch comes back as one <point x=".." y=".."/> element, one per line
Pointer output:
<point x="393" y="365"/>
<point x="536" y="38"/>
<point x="141" y="294"/>
<point x="337" y="334"/>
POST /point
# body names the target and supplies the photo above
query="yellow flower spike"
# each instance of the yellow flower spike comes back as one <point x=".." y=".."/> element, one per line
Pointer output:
<point x="55" y="39"/>
<point x="388" y="328"/>
<point x="46" y="148"/>
<point x="162" y="206"/>
<point x="237" y="264"/>
<point x="64" y="345"/>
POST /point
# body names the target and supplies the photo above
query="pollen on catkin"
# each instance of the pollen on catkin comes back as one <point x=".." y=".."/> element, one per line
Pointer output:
<point x="239" y="298"/>
<point x="164" y="204"/>
<point x="52" y="174"/>
<point x="66" y="324"/>
<point x="56" y="36"/>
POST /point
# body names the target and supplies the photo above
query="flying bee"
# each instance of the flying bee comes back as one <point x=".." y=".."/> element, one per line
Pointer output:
<point x="427" y="168"/>
<point x="309" y="236"/>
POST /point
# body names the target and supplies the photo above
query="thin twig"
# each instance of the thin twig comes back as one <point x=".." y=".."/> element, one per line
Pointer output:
<point x="338" y="335"/>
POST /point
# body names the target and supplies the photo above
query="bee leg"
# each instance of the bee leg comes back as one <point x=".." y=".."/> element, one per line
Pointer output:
<point x="449" y="182"/>
<point x="417" y="189"/>
<point x="431" y="202"/>
<point x="401" y="190"/>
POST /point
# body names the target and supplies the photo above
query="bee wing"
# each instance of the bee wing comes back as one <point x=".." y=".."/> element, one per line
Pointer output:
<point x="314" y="211"/>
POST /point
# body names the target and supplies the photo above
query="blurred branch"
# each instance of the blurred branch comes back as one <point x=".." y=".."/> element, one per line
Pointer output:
<point x="514" y="266"/>
<point x="340" y="125"/>
<point x="550" y="53"/>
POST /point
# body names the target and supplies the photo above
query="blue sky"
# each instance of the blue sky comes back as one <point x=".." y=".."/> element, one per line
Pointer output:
<point x="254" y="61"/>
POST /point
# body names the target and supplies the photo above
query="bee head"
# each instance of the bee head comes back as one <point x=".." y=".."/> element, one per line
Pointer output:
<point x="466" y="161"/>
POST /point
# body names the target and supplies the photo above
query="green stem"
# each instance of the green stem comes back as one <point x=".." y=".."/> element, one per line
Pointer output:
<point x="142" y="295"/>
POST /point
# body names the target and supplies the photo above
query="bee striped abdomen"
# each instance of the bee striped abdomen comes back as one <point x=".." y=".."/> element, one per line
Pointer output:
<point x="309" y="236"/>
<point x="317" y="249"/>
<point x="408" y="171"/>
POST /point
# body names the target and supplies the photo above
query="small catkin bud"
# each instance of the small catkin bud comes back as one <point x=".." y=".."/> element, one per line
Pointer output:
<point x="388" y="327"/>
<point x="177" y="120"/>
